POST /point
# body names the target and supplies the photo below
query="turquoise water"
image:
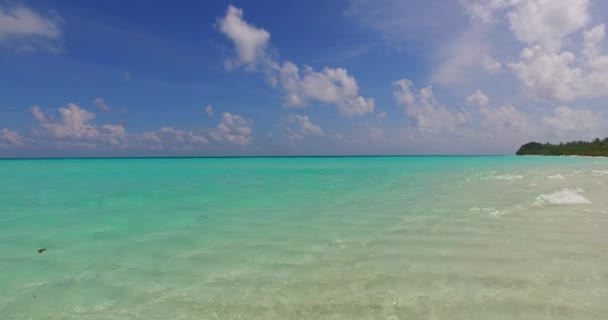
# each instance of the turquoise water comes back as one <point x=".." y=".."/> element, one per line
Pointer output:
<point x="305" y="238"/>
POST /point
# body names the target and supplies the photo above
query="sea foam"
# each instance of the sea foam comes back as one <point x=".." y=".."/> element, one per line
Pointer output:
<point x="564" y="196"/>
<point x="556" y="177"/>
<point x="507" y="177"/>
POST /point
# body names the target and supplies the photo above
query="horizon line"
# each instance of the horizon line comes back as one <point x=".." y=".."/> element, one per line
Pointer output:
<point x="260" y="156"/>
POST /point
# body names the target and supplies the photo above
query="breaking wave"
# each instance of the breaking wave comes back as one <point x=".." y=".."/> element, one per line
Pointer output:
<point x="564" y="196"/>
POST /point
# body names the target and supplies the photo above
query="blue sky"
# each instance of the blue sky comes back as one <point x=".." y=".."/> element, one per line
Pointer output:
<point x="204" y="78"/>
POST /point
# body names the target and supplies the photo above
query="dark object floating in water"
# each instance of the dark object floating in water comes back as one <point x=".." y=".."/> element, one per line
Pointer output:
<point x="41" y="250"/>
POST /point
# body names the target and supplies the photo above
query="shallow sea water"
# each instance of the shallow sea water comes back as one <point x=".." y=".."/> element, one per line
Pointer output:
<point x="305" y="238"/>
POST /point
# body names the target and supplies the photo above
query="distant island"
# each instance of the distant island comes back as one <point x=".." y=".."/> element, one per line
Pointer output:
<point x="595" y="148"/>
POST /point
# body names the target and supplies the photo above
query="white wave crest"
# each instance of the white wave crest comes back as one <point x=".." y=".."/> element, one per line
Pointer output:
<point x="492" y="211"/>
<point x="564" y="196"/>
<point x="507" y="177"/>
<point x="556" y="177"/>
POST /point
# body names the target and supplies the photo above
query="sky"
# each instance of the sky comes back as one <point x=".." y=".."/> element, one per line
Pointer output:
<point x="272" y="77"/>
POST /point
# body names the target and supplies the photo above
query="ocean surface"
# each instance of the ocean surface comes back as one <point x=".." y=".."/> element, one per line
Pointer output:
<point x="305" y="238"/>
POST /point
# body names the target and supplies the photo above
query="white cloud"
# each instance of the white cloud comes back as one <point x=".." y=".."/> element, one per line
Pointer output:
<point x="554" y="47"/>
<point x="209" y="110"/>
<point x="487" y="127"/>
<point x="181" y="135"/>
<point x="477" y="99"/>
<point x="566" y="120"/>
<point x="550" y="65"/>
<point x="113" y="134"/>
<point x="508" y="126"/>
<point x="233" y="128"/>
<point x="544" y="22"/>
<point x="74" y="123"/>
<point x="169" y="139"/>
<point x="484" y="10"/>
<point x="504" y="118"/>
<point x="102" y="104"/>
<point x="329" y="86"/>
<point x="547" y="22"/>
<point x="550" y="75"/>
<point x="10" y="138"/>
<point x="491" y="64"/>
<point x="250" y="42"/>
<point x="300" y="126"/>
<point x="564" y="76"/>
<point x="21" y="28"/>
<point x="558" y="124"/>
<point x="427" y="113"/>
<point x="74" y="126"/>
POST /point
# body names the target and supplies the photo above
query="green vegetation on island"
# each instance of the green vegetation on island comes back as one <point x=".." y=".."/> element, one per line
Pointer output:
<point x="595" y="148"/>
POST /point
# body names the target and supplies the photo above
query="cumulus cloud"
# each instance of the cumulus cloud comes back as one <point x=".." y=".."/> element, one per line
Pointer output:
<point x="477" y="99"/>
<point x="113" y="134"/>
<point x="300" y="126"/>
<point x="74" y="125"/>
<point x="548" y="74"/>
<point x="564" y="75"/>
<point x="568" y="123"/>
<point x="533" y="21"/>
<point x="506" y="126"/>
<point x="553" y="62"/>
<point x="10" y="138"/>
<point x="332" y="86"/>
<point x="102" y="104"/>
<point x="421" y="105"/>
<point x="169" y="139"/>
<point x="250" y="42"/>
<point x="73" y="128"/>
<point x="24" y="29"/>
<point x="233" y="128"/>
<point x="547" y="22"/>
<point x="562" y="122"/>
<point x="181" y="135"/>
<point x="485" y="127"/>
<point x="74" y="122"/>
<point x="509" y="126"/>
<point x="555" y="48"/>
